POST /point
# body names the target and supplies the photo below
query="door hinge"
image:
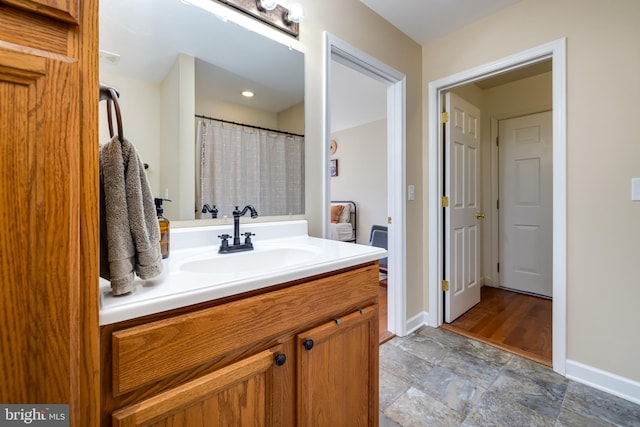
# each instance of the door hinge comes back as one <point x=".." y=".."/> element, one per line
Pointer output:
<point x="444" y="117"/>
<point x="388" y="220"/>
<point x="445" y="286"/>
<point x="497" y="204"/>
<point x="498" y="267"/>
<point x="497" y="141"/>
<point x="445" y="202"/>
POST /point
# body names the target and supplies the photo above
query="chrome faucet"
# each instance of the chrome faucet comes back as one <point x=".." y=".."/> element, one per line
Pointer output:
<point x="237" y="246"/>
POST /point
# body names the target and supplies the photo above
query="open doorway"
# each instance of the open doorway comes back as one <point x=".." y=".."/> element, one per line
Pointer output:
<point x="509" y="303"/>
<point x="556" y="53"/>
<point x="394" y="82"/>
<point x="358" y="183"/>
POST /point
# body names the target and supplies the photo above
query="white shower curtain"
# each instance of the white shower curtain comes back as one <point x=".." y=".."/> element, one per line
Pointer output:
<point x="240" y="165"/>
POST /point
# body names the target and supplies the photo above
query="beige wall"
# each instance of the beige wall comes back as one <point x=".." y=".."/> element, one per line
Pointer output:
<point x="289" y="120"/>
<point x="177" y="139"/>
<point x="140" y="107"/>
<point x="357" y="25"/>
<point x="155" y="116"/>
<point x="603" y="236"/>
<point x="362" y="173"/>
<point x="292" y="119"/>
<point x="235" y="112"/>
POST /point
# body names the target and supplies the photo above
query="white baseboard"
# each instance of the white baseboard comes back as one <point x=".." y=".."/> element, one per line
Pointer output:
<point x="603" y="380"/>
<point x="487" y="281"/>
<point x="416" y="322"/>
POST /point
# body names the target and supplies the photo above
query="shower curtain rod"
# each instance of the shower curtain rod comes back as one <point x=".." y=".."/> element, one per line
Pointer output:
<point x="248" y="126"/>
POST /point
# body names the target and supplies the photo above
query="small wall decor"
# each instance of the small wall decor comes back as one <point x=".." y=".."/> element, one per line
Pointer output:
<point x="333" y="146"/>
<point x="333" y="167"/>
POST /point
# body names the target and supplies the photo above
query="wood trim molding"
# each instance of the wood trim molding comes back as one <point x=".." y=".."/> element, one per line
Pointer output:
<point x="63" y="10"/>
<point x="87" y="373"/>
<point x="345" y="54"/>
<point x="556" y="50"/>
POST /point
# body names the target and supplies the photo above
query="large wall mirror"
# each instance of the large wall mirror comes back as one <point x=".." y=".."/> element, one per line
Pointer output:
<point x="180" y="72"/>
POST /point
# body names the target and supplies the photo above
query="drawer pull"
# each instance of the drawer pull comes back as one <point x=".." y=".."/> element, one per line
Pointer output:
<point x="281" y="358"/>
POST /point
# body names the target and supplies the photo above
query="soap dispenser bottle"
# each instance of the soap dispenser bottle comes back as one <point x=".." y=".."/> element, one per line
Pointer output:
<point x="164" y="227"/>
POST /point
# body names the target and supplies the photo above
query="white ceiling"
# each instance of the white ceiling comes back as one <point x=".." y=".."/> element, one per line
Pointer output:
<point x="356" y="99"/>
<point x="427" y="20"/>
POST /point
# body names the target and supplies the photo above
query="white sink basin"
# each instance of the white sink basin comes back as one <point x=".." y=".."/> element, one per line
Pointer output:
<point x="195" y="272"/>
<point x="255" y="261"/>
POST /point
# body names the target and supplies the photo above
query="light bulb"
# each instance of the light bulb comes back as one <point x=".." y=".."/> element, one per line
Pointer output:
<point x="267" y="4"/>
<point x="295" y="13"/>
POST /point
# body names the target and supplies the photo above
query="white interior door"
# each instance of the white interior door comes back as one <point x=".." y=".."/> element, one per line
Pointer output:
<point x="462" y="233"/>
<point x="526" y="186"/>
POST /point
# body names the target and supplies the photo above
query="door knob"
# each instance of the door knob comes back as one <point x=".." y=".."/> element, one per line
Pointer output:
<point x="479" y="215"/>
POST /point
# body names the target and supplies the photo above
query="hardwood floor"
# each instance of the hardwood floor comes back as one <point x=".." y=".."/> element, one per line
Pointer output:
<point x="514" y="322"/>
<point x="384" y="334"/>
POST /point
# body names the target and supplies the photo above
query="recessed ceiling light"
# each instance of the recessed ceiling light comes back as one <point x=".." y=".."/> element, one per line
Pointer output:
<point x="247" y="93"/>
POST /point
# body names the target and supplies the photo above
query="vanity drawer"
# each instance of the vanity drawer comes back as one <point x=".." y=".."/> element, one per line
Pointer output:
<point x="147" y="353"/>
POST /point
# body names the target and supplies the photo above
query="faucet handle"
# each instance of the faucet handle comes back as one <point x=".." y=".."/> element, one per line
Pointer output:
<point x="225" y="239"/>
<point x="247" y="237"/>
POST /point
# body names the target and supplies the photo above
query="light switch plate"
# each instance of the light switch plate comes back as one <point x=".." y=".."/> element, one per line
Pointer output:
<point x="635" y="189"/>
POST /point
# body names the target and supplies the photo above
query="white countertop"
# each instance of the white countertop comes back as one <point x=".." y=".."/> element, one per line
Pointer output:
<point x="181" y="284"/>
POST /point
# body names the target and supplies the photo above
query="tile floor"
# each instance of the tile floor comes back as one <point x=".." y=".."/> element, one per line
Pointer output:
<point x="434" y="377"/>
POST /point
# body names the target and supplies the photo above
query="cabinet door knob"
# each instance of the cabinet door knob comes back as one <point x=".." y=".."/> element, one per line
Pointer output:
<point x="308" y="344"/>
<point x="280" y="359"/>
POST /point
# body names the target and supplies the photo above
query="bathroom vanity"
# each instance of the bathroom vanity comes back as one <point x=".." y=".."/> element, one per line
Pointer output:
<point x="175" y="349"/>
<point x="294" y="346"/>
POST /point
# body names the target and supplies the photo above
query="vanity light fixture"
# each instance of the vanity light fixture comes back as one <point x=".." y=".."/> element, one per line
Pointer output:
<point x="291" y="15"/>
<point x="270" y="12"/>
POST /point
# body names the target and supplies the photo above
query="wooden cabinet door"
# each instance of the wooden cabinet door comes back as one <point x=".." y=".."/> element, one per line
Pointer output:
<point x="48" y="204"/>
<point x="38" y="207"/>
<point x="338" y="372"/>
<point x="246" y="393"/>
<point x="63" y="10"/>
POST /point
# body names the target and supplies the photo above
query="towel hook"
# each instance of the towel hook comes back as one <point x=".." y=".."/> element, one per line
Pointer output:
<point x="111" y="95"/>
<point x="116" y="104"/>
<point x="105" y="92"/>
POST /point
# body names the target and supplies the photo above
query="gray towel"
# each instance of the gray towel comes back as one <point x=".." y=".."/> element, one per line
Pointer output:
<point x="130" y="235"/>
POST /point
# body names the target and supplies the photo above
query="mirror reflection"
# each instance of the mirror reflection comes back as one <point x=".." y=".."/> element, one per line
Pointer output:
<point x="180" y="72"/>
